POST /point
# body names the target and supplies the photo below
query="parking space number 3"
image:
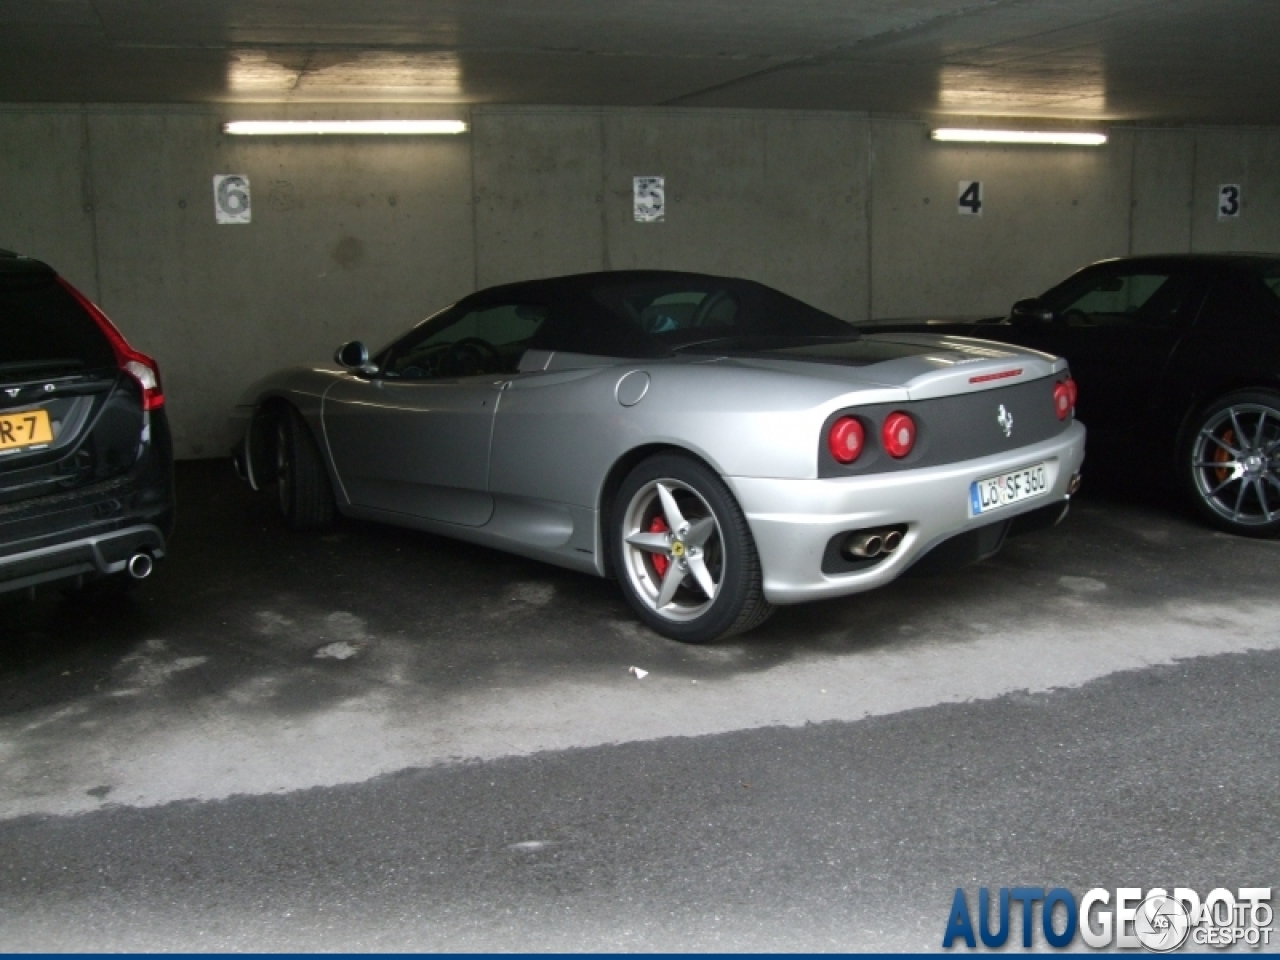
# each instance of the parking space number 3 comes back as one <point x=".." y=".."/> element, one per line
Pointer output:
<point x="1228" y="201"/>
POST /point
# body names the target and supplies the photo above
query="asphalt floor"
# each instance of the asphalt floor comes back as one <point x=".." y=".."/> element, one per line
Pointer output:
<point x="373" y="738"/>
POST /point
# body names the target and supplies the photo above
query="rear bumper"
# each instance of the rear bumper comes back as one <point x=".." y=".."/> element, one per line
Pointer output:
<point x="91" y="530"/>
<point x="795" y="521"/>
<point x="100" y="554"/>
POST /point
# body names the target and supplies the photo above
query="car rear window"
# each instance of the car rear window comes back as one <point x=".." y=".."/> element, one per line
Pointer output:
<point x="43" y="330"/>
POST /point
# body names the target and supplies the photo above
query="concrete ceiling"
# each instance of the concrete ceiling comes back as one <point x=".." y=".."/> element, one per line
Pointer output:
<point x="1167" y="61"/>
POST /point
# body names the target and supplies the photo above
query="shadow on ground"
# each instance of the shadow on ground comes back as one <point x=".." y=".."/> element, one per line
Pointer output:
<point x="330" y="615"/>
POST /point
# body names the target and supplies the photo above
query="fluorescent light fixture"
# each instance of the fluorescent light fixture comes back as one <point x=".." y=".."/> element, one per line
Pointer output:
<point x="276" y="128"/>
<point x="1055" y="137"/>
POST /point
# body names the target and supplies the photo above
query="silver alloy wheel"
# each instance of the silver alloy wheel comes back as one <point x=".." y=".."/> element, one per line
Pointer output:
<point x="673" y="551"/>
<point x="1235" y="462"/>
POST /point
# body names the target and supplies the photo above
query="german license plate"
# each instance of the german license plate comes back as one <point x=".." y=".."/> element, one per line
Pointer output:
<point x="1008" y="488"/>
<point x="30" y="428"/>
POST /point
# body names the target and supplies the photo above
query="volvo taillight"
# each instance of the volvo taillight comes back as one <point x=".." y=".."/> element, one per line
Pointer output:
<point x="898" y="434"/>
<point x="136" y="364"/>
<point x="846" y="440"/>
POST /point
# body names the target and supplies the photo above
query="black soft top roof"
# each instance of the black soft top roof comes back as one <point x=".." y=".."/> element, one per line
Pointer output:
<point x="1192" y="259"/>
<point x="577" y="283"/>
<point x="620" y="313"/>
<point x="16" y="264"/>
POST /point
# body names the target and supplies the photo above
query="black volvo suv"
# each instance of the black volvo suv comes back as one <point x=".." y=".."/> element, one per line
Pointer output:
<point x="86" y="458"/>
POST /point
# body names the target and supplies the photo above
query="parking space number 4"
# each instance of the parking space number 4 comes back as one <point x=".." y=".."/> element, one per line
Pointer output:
<point x="969" y="203"/>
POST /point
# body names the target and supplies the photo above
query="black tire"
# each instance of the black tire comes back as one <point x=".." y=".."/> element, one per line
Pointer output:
<point x="1229" y="463"/>
<point x="726" y="553"/>
<point x="303" y="492"/>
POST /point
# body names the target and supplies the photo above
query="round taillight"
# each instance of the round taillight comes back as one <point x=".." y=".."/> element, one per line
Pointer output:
<point x="846" y="440"/>
<point x="898" y="434"/>
<point x="1073" y="390"/>
<point x="1064" y="398"/>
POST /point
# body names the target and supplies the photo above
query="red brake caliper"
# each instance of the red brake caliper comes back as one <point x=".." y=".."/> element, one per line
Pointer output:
<point x="660" y="563"/>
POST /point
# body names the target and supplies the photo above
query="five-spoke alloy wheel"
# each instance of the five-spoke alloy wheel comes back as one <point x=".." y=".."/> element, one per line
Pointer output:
<point x="1233" y="463"/>
<point x="683" y="552"/>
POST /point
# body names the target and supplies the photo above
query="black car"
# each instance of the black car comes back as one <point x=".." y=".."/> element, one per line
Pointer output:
<point x="86" y="459"/>
<point x="1178" y="364"/>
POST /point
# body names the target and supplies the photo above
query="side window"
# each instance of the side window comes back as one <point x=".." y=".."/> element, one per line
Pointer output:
<point x="584" y="325"/>
<point x="685" y="310"/>
<point x="1239" y="302"/>
<point x="720" y="312"/>
<point x="616" y="316"/>
<point x="1126" y="299"/>
<point x="477" y="342"/>
<point x="659" y="310"/>
<point x="778" y="315"/>
<point x="641" y="318"/>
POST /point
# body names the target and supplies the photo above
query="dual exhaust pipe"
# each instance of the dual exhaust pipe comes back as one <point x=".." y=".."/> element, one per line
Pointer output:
<point x="866" y="544"/>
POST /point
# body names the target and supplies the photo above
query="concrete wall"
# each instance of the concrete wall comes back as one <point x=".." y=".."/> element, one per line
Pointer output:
<point x="779" y="197"/>
<point x="1045" y="212"/>
<point x="348" y="238"/>
<point x="361" y="238"/>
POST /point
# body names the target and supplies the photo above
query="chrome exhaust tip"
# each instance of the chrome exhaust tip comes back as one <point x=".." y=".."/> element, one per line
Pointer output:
<point x="1074" y="485"/>
<point x="864" y="545"/>
<point x="892" y="540"/>
<point x="140" y="566"/>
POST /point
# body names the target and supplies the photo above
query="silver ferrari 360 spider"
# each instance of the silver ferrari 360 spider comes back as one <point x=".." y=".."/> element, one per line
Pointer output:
<point x="717" y="446"/>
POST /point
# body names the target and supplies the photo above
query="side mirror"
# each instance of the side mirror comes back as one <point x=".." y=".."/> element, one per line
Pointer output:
<point x="354" y="355"/>
<point x="1031" y="310"/>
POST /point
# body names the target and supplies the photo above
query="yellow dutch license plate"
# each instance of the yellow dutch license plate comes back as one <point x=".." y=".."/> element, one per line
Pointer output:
<point x="30" y="428"/>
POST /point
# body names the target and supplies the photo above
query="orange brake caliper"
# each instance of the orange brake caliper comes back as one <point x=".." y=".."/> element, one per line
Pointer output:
<point x="1221" y="456"/>
<point x="660" y="563"/>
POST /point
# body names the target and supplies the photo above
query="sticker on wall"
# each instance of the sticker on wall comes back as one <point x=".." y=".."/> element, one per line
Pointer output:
<point x="650" y="194"/>
<point x="969" y="198"/>
<point x="1229" y="201"/>
<point x="231" y="197"/>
